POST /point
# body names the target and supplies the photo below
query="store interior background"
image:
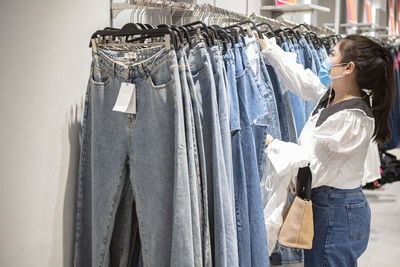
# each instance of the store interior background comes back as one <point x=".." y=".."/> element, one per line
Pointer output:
<point x="44" y="71"/>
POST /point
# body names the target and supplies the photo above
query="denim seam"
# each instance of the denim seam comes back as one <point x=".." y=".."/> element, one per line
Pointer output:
<point x="111" y="217"/>
<point x="349" y="214"/>
<point x="325" y="263"/>
<point x="205" y="65"/>
<point x="242" y="75"/>
<point x="143" y="238"/>
<point x="345" y="195"/>
<point x="82" y="167"/>
<point x="109" y="76"/>
<point x="164" y="85"/>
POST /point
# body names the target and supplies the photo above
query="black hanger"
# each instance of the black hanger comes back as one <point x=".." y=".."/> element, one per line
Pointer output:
<point x="131" y="29"/>
<point x="254" y="27"/>
<point x="204" y="26"/>
<point x="269" y="26"/>
<point x="302" y="24"/>
<point x="192" y="30"/>
<point x="149" y="26"/>
<point x="290" y="30"/>
<point x="225" y="35"/>
<point x="278" y="31"/>
<point x="241" y="30"/>
<point x="187" y="35"/>
<point x="174" y="28"/>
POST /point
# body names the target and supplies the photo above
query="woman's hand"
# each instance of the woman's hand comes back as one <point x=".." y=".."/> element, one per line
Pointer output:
<point x="268" y="140"/>
<point x="263" y="42"/>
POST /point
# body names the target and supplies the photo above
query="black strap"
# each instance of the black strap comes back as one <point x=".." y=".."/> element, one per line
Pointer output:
<point x="303" y="184"/>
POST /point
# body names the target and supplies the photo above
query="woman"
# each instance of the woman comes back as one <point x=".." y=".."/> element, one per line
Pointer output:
<point x="354" y="92"/>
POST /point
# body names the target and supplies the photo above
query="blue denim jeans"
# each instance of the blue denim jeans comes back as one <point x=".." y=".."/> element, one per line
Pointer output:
<point x="220" y="202"/>
<point x="309" y="63"/>
<point x="229" y="60"/>
<point x="282" y="112"/>
<point x="122" y="150"/>
<point x="341" y="227"/>
<point x="296" y="102"/>
<point x="253" y="250"/>
<point x="315" y="56"/>
<point x="196" y="200"/>
<point x="220" y="78"/>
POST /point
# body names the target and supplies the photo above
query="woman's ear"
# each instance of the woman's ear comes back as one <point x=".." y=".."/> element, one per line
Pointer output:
<point x="350" y="68"/>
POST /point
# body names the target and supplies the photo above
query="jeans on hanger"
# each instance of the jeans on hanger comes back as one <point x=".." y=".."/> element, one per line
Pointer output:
<point x="229" y="60"/>
<point x="200" y="155"/>
<point x="297" y="103"/>
<point x="193" y="165"/>
<point x="253" y="250"/>
<point x="221" y="214"/>
<point x="259" y="74"/>
<point x="220" y="79"/>
<point x="309" y="63"/>
<point x="315" y="57"/>
<point x="286" y="119"/>
<point x="341" y="227"/>
<point x="145" y="151"/>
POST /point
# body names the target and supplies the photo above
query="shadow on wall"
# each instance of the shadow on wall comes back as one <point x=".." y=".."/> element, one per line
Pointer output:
<point x="74" y="124"/>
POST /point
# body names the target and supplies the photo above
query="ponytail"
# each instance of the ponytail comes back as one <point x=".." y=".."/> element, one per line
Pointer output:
<point x="374" y="71"/>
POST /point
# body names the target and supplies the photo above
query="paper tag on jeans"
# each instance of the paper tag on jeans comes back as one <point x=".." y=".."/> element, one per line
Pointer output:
<point x="126" y="101"/>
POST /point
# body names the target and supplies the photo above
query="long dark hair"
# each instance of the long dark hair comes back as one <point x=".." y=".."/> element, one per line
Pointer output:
<point x="374" y="71"/>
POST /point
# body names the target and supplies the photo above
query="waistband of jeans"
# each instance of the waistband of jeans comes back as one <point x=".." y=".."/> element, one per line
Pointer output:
<point x="228" y="53"/>
<point x="338" y="193"/>
<point x="152" y="59"/>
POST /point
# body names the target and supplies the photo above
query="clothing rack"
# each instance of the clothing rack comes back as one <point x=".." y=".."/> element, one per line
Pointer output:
<point x="182" y="11"/>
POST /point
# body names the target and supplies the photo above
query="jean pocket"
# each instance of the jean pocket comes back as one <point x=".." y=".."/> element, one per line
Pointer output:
<point x="359" y="216"/>
<point x="99" y="77"/>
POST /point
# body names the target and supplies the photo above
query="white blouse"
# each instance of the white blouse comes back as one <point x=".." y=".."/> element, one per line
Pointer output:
<point x="336" y="143"/>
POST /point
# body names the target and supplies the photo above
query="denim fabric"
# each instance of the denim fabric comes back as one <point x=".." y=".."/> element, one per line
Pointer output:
<point x="341" y="227"/>
<point x="299" y="59"/>
<point x="121" y="150"/>
<point x="323" y="53"/>
<point x="201" y="157"/>
<point x="229" y="60"/>
<point x="220" y="203"/>
<point x="219" y="72"/>
<point x="315" y="57"/>
<point x="259" y="74"/>
<point x="284" y="256"/>
<point x="193" y="160"/>
<point x="297" y="103"/>
<point x="309" y="63"/>
<point x="253" y="250"/>
<point x="283" y="118"/>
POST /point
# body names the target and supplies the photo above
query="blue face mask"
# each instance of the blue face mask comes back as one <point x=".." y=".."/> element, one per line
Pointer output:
<point x="324" y="75"/>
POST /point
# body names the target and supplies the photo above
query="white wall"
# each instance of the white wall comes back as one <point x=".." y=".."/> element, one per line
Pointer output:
<point x="44" y="68"/>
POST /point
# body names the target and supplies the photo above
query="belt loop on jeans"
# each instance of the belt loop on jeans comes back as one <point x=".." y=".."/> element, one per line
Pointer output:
<point x="144" y="71"/>
<point x="113" y="69"/>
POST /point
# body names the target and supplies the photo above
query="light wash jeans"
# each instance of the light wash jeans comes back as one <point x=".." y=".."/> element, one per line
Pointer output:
<point x="220" y="202"/>
<point x="147" y="152"/>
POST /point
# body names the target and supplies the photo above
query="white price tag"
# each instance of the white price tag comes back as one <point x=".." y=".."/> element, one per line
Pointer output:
<point x="126" y="101"/>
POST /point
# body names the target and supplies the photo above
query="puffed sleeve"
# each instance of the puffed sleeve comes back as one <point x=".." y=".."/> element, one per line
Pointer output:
<point x="302" y="82"/>
<point x="342" y="134"/>
<point x="339" y="136"/>
<point x="286" y="156"/>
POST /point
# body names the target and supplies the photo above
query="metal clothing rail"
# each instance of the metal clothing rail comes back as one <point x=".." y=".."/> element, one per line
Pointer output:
<point x="280" y="23"/>
<point x="203" y="12"/>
